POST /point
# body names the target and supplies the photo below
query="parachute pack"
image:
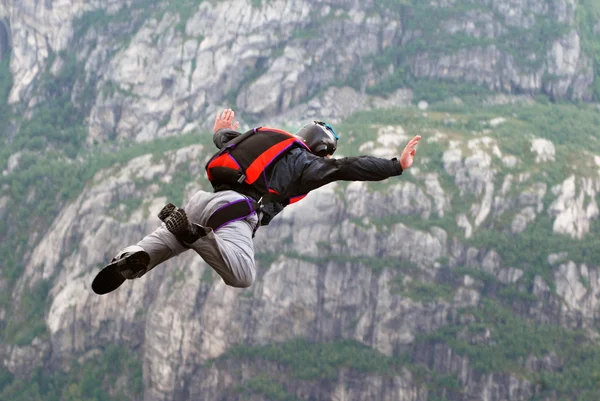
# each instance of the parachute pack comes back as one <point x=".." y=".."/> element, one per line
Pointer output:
<point x="243" y="163"/>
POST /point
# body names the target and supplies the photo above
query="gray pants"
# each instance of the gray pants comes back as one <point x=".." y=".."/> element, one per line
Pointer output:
<point x="229" y="250"/>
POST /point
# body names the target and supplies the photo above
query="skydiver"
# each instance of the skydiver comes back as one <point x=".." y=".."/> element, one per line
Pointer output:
<point x="254" y="175"/>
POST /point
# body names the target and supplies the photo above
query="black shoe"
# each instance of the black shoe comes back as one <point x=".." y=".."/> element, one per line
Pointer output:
<point x="130" y="263"/>
<point x="166" y="211"/>
<point x="178" y="224"/>
<point x="133" y="265"/>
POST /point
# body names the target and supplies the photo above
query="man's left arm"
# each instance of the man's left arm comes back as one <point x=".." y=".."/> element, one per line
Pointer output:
<point x="312" y="172"/>
<point x="319" y="171"/>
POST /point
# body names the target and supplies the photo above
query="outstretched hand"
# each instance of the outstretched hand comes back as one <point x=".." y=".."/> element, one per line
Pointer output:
<point x="408" y="154"/>
<point x="225" y="120"/>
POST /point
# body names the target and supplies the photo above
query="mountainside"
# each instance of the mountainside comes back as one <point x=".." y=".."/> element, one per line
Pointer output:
<point x="474" y="275"/>
<point x="147" y="68"/>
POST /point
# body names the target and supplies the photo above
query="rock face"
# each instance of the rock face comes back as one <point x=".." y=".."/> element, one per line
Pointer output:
<point x="544" y="150"/>
<point x="365" y="267"/>
<point x="35" y="30"/>
<point x="335" y="274"/>
<point x="5" y="41"/>
<point x="163" y="71"/>
<point x="575" y="207"/>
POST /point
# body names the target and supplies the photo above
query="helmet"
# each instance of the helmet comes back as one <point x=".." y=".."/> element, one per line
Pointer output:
<point x="319" y="137"/>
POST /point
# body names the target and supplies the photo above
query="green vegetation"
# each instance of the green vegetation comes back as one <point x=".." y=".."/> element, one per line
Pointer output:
<point x="304" y="360"/>
<point x="570" y="127"/>
<point x="6" y="112"/>
<point x="96" y="379"/>
<point x="321" y="361"/>
<point x="264" y="260"/>
<point x="529" y="250"/>
<point x="129" y="19"/>
<point x="424" y="292"/>
<point x="526" y="45"/>
<point x="57" y="123"/>
<point x="208" y="276"/>
<point x="432" y="91"/>
<point x="375" y="263"/>
<point x="55" y="181"/>
<point x="499" y="341"/>
<point x="267" y="387"/>
<point x="28" y="322"/>
<point x="56" y="165"/>
<point x="578" y="379"/>
<point x="174" y="191"/>
<point x="6" y="83"/>
<point x="587" y="16"/>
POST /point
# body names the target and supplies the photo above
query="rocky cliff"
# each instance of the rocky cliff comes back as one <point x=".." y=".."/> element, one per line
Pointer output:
<point x="158" y="68"/>
<point x="474" y="275"/>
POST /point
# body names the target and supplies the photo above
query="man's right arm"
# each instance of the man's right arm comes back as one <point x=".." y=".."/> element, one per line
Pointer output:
<point x="223" y="136"/>
<point x="225" y="128"/>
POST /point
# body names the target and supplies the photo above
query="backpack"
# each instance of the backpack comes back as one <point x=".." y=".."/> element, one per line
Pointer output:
<point x="242" y="164"/>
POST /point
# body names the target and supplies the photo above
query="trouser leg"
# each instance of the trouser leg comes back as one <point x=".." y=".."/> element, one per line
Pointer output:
<point x="161" y="245"/>
<point x="229" y="250"/>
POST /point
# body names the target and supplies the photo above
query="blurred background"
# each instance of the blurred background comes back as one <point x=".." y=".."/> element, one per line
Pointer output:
<point x="473" y="276"/>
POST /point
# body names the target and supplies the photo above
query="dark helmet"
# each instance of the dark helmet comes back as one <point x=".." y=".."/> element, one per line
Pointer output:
<point x="319" y="137"/>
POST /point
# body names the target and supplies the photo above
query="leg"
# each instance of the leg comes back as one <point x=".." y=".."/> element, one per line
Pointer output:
<point x="160" y="245"/>
<point x="136" y="260"/>
<point x="229" y="250"/>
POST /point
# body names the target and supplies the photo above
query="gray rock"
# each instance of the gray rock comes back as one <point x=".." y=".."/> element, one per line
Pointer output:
<point x="553" y="258"/>
<point x="520" y="221"/>
<point x="544" y="150"/>
<point x="330" y="275"/>
<point x="574" y="208"/>
<point x="510" y="275"/>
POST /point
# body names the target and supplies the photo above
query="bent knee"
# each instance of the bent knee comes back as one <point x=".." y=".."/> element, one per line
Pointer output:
<point x="240" y="282"/>
<point x="242" y="277"/>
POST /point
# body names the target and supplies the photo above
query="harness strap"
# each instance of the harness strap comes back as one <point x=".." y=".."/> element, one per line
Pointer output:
<point x="234" y="211"/>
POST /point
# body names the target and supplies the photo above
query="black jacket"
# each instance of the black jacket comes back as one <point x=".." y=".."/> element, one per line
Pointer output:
<point x="299" y="171"/>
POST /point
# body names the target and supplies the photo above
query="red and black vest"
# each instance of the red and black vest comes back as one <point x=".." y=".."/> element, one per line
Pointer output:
<point x="242" y="165"/>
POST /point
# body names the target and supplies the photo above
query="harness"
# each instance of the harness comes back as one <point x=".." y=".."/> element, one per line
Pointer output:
<point x="242" y="166"/>
<point x="234" y="211"/>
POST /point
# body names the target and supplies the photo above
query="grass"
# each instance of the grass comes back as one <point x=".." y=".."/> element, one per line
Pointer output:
<point x="424" y="292"/>
<point x="308" y="360"/>
<point x="507" y="339"/>
<point x="94" y="379"/>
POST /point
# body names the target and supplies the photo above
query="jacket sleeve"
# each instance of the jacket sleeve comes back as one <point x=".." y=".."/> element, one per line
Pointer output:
<point x="222" y="136"/>
<point x="314" y="171"/>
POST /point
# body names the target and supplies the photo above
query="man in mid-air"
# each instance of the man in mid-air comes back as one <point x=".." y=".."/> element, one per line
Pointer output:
<point x="255" y="175"/>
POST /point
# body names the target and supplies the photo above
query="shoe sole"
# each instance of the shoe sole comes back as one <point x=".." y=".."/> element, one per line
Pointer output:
<point x="178" y="223"/>
<point x="111" y="276"/>
<point x="166" y="211"/>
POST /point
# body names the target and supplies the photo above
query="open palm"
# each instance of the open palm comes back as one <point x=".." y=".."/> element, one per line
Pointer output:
<point x="226" y="120"/>
<point x="408" y="154"/>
